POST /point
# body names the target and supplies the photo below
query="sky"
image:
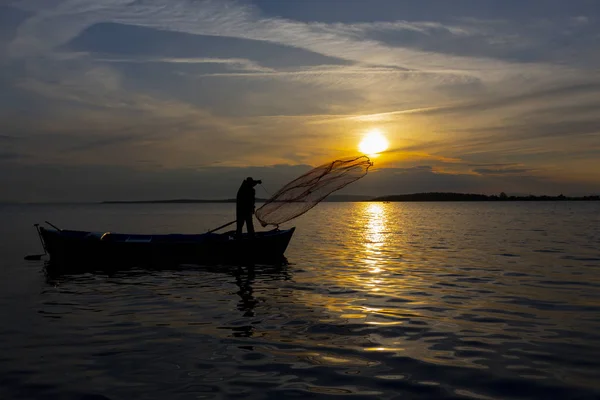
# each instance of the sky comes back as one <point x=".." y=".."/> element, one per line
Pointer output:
<point x="147" y="99"/>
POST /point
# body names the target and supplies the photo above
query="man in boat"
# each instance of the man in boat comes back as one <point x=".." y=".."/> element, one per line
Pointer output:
<point x="245" y="206"/>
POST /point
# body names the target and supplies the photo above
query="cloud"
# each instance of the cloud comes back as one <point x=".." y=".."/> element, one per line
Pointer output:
<point x="501" y="171"/>
<point x="233" y="63"/>
<point x="502" y="39"/>
<point x="493" y="165"/>
<point x="413" y="180"/>
<point x="133" y="41"/>
<point x="580" y="20"/>
<point x="560" y="92"/>
<point x="378" y="68"/>
<point x="418" y="168"/>
<point x="57" y="25"/>
<point x="10" y="156"/>
<point x="558" y="100"/>
<point x="522" y="137"/>
<point x="7" y="138"/>
<point x="93" y="183"/>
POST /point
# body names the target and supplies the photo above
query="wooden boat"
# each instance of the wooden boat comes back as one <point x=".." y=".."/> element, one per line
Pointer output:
<point x="84" y="249"/>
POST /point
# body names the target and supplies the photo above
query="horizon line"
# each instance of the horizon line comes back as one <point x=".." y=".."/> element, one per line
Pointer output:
<point x="347" y="198"/>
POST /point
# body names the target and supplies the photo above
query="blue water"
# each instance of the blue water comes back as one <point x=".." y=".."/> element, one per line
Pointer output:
<point x="380" y="300"/>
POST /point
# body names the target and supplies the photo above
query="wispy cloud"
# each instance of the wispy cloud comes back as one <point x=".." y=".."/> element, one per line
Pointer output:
<point x="501" y="171"/>
<point x="379" y="66"/>
<point x="54" y="26"/>
<point x="233" y="63"/>
<point x="9" y="155"/>
<point x="493" y="165"/>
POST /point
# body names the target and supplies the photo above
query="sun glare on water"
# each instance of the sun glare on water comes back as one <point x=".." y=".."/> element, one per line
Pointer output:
<point x="373" y="143"/>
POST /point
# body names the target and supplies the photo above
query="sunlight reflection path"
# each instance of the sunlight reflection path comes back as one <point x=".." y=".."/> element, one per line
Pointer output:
<point x="375" y="239"/>
<point x="375" y="235"/>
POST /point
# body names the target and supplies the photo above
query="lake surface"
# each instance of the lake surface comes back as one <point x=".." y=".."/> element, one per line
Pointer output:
<point x="380" y="300"/>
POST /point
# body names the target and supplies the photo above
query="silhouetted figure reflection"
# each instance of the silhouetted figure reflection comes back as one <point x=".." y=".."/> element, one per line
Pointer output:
<point x="246" y="197"/>
<point x="246" y="292"/>
<point x="245" y="278"/>
<point x="247" y="301"/>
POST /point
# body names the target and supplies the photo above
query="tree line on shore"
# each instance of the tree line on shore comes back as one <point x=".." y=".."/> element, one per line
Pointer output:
<point x="443" y="196"/>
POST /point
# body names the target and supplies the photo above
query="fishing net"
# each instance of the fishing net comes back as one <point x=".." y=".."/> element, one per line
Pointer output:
<point x="303" y="193"/>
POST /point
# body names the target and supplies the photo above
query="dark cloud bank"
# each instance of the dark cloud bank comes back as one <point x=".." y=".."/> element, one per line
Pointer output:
<point x="53" y="183"/>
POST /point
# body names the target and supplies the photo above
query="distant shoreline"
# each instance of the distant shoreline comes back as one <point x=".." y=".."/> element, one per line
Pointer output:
<point x="415" y="197"/>
<point x="424" y="197"/>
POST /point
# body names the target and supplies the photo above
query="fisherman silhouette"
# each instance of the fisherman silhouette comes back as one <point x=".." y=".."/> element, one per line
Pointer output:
<point x="245" y="206"/>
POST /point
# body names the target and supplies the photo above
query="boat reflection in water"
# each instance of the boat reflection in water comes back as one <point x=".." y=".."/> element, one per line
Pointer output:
<point x="182" y="288"/>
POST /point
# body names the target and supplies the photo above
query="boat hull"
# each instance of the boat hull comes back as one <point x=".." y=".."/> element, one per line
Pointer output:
<point x="89" y="249"/>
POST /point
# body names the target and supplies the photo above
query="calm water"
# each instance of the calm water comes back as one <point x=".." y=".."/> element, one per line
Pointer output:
<point x="380" y="300"/>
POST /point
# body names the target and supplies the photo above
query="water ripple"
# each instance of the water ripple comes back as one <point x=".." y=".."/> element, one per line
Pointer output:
<point x="449" y="301"/>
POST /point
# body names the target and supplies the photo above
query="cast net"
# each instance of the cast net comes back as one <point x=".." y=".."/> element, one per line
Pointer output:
<point x="305" y="192"/>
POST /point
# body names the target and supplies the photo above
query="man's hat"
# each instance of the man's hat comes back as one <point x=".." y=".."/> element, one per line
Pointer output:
<point x="255" y="182"/>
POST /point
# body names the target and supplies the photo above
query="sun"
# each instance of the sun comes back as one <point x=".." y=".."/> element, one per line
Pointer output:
<point x="373" y="143"/>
